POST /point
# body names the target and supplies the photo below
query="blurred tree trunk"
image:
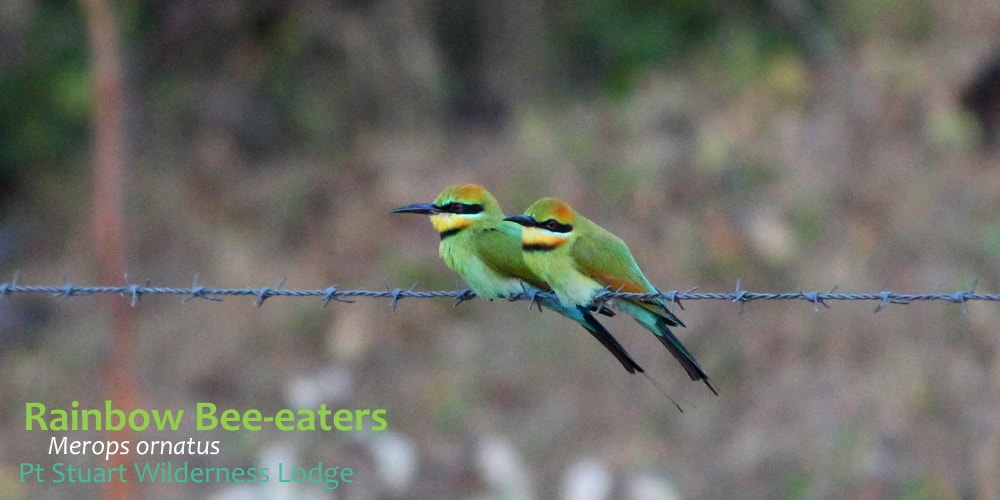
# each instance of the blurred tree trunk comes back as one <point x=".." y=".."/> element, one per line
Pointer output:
<point x="496" y="54"/>
<point x="108" y="223"/>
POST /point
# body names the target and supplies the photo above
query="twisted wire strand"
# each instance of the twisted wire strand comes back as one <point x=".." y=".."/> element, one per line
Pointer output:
<point x="134" y="294"/>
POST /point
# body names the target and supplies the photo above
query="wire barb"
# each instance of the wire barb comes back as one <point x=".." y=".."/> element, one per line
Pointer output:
<point x="398" y="293"/>
<point x="741" y="296"/>
<point x="817" y="298"/>
<point x="67" y="290"/>
<point x="687" y="293"/>
<point x="133" y="291"/>
<point x="671" y="297"/>
<point x="330" y="294"/>
<point x="886" y="298"/>
<point x="7" y="288"/>
<point x="962" y="296"/>
<point x="265" y="293"/>
<point x="199" y="292"/>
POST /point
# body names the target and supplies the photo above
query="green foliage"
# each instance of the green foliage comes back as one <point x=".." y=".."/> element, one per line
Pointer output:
<point x="992" y="241"/>
<point x="614" y="43"/>
<point x="44" y="90"/>
<point x="884" y="17"/>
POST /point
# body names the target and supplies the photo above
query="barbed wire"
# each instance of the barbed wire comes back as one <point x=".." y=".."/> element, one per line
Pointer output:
<point x="134" y="294"/>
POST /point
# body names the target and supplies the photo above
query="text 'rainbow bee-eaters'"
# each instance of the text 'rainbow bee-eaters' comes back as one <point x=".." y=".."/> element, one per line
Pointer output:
<point x="485" y="251"/>
<point x="578" y="258"/>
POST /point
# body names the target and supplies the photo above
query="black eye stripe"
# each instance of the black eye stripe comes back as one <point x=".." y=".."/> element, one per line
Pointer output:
<point x="460" y="208"/>
<point x="555" y="226"/>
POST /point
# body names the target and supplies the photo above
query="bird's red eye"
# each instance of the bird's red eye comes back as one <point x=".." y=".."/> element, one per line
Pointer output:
<point x="551" y="225"/>
<point x="456" y="208"/>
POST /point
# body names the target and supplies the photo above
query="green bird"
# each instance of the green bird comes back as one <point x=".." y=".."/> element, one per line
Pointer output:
<point x="485" y="251"/>
<point x="578" y="258"/>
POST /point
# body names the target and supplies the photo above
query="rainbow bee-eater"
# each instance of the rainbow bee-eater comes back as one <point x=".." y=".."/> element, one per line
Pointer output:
<point x="485" y="251"/>
<point x="578" y="259"/>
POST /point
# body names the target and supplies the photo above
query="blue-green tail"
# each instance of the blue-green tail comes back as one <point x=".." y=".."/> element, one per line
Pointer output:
<point x="583" y="316"/>
<point x="660" y="325"/>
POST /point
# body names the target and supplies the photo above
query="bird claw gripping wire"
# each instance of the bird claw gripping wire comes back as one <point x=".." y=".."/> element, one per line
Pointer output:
<point x="462" y="295"/>
<point x="601" y="298"/>
<point x="531" y="295"/>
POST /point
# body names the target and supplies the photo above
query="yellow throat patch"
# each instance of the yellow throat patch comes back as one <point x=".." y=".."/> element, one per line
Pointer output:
<point x="541" y="239"/>
<point x="449" y="223"/>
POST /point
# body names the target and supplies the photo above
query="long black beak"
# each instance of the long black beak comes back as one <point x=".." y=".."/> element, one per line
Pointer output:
<point x="523" y="220"/>
<point x="417" y="208"/>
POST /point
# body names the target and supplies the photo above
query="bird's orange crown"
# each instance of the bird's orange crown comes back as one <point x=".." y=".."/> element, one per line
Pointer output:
<point x="465" y="193"/>
<point x="551" y="208"/>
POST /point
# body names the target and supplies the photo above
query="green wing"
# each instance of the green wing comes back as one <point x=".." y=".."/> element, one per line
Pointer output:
<point x="500" y="249"/>
<point x="607" y="259"/>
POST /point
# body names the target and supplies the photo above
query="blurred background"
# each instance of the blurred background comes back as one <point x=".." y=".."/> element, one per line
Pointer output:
<point x="789" y="144"/>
